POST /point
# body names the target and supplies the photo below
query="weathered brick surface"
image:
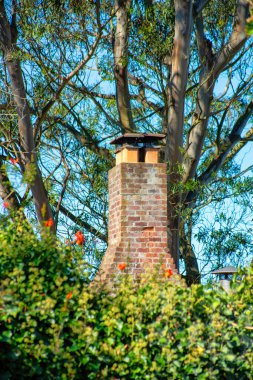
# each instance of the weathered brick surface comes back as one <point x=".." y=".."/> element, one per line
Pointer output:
<point x="137" y="219"/>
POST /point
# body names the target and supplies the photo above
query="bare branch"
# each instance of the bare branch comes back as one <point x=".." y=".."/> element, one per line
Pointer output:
<point x="79" y="221"/>
<point x="241" y="144"/>
<point x="236" y="40"/>
<point x="64" y="187"/>
<point x="85" y="91"/>
<point x="227" y="146"/>
<point x="199" y="5"/>
<point x="210" y="72"/>
<point x="136" y="81"/>
<point x="64" y="82"/>
<point x="204" y="45"/>
<point x="88" y="142"/>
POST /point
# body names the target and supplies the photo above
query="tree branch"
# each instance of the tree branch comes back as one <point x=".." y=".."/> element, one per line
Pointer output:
<point x="64" y="187"/>
<point x="198" y="6"/>
<point x="8" y="44"/>
<point x="88" y="142"/>
<point x="210" y="72"/>
<point x="136" y="81"/>
<point x="236" y="40"/>
<point x="227" y="145"/>
<point x="64" y="81"/>
<point x="241" y="144"/>
<point x="79" y="221"/>
<point x="7" y="192"/>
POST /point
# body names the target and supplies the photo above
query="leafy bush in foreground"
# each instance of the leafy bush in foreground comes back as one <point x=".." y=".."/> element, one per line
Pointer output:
<point x="53" y="325"/>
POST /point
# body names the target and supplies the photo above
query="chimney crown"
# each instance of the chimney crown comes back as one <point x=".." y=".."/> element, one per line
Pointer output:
<point x="137" y="147"/>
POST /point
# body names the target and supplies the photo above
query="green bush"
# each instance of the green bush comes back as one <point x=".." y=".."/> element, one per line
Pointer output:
<point x="53" y="325"/>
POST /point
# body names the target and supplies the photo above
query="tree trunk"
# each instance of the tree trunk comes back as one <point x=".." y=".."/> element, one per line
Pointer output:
<point x="191" y="263"/>
<point x="7" y="193"/>
<point x="8" y="35"/>
<point x="175" y="122"/>
<point x="121" y="63"/>
<point x="212" y="65"/>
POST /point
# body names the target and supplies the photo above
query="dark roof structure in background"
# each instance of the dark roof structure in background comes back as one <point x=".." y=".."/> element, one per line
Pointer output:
<point x="226" y="270"/>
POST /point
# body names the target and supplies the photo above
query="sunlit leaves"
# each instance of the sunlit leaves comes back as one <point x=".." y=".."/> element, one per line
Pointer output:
<point x="54" y="326"/>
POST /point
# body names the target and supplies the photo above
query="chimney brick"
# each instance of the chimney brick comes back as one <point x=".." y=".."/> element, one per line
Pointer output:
<point x="137" y="220"/>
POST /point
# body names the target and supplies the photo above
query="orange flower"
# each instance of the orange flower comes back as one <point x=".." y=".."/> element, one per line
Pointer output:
<point x="14" y="161"/>
<point x="49" y="222"/>
<point x="80" y="239"/>
<point x="122" y="266"/>
<point x="168" y="273"/>
<point x="6" y="204"/>
<point x="69" y="295"/>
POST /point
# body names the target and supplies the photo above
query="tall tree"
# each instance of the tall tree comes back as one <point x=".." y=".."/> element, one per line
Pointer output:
<point x="75" y="74"/>
<point x="27" y="153"/>
<point x="175" y="94"/>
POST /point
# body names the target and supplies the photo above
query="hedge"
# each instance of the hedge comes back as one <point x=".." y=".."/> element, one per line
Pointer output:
<point x="54" y="325"/>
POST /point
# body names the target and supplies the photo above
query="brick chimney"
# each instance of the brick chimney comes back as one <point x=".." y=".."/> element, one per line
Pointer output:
<point x="137" y="208"/>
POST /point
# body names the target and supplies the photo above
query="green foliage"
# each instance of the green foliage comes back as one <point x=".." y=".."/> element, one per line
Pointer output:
<point x="153" y="28"/>
<point x="30" y="173"/>
<point x="249" y="25"/>
<point x="54" y="326"/>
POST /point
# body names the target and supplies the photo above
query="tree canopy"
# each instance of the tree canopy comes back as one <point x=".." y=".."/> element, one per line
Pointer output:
<point x="75" y="74"/>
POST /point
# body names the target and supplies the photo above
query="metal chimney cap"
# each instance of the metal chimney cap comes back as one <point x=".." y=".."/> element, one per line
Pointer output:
<point x="133" y="138"/>
<point x="225" y="270"/>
